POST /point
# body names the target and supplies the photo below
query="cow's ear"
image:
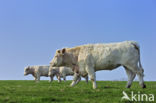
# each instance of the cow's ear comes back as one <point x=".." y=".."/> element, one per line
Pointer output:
<point x="63" y="50"/>
<point x="58" y="51"/>
<point x="28" y="67"/>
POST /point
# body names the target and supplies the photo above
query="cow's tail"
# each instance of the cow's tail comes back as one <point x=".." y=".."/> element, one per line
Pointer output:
<point x="137" y="47"/>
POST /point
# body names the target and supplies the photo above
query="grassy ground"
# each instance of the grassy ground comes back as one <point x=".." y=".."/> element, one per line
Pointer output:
<point x="44" y="92"/>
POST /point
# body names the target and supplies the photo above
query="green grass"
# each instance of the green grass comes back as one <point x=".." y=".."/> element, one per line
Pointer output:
<point x="25" y="91"/>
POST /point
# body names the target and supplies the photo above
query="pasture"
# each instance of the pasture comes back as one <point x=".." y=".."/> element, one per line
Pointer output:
<point x="27" y="91"/>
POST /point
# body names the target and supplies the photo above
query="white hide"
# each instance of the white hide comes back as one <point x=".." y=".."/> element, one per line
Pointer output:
<point x="94" y="57"/>
<point x="37" y="71"/>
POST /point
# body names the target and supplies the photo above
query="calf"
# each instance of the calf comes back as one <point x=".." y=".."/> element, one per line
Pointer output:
<point x="63" y="72"/>
<point x="37" y="71"/>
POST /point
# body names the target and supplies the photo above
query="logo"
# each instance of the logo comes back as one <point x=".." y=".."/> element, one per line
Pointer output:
<point x="138" y="96"/>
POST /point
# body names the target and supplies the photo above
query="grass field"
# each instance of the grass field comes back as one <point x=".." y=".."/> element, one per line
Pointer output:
<point x="25" y="91"/>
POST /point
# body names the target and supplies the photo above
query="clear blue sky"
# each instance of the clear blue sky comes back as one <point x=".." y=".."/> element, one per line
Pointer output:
<point x="31" y="31"/>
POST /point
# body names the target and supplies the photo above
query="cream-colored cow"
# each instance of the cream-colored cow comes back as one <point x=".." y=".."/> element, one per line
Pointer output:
<point x="87" y="59"/>
<point x="37" y="71"/>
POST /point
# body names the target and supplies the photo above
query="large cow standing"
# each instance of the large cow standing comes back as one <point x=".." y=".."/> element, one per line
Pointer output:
<point x="87" y="59"/>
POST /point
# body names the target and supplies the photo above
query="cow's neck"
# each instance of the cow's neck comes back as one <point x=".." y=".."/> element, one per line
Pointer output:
<point x="75" y="68"/>
<point x="73" y="54"/>
<point x="74" y="51"/>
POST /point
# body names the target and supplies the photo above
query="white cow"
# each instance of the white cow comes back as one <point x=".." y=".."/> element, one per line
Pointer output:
<point x="87" y="59"/>
<point x="37" y="71"/>
<point x="63" y="72"/>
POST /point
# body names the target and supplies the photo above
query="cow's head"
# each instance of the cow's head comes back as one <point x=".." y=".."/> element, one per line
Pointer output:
<point x="27" y="70"/>
<point x="62" y="58"/>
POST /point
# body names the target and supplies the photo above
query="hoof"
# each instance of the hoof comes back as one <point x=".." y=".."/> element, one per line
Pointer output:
<point x="71" y="85"/>
<point x="94" y="87"/>
<point x="143" y="86"/>
<point x="128" y="86"/>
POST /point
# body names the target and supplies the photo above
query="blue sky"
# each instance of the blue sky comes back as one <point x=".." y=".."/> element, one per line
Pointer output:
<point x="31" y="31"/>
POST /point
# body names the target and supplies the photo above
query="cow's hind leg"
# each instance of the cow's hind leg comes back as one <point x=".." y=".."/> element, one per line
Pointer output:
<point x="140" y="75"/>
<point x="139" y="72"/>
<point x="64" y="78"/>
<point x="131" y="75"/>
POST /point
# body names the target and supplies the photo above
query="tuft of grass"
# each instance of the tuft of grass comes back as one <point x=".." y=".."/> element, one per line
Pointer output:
<point x="27" y="91"/>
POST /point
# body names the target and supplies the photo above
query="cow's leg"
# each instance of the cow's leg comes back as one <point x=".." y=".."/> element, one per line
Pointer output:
<point x="51" y="79"/>
<point x="58" y="78"/>
<point x="140" y="76"/>
<point x="139" y="72"/>
<point x="75" y="78"/>
<point x="38" y="77"/>
<point x="86" y="79"/>
<point x="92" y="76"/>
<point x="64" y="78"/>
<point x="35" y="78"/>
<point x="131" y="77"/>
<point x="79" y="79"/>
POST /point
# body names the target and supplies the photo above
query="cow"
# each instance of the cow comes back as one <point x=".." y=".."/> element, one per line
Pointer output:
<point x="37" y="71"/>
<point x="63" y="72"/>
<point x="87" y="59"/>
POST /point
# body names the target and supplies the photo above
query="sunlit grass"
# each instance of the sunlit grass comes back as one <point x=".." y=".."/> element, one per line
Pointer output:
<point x="44" y="92"/>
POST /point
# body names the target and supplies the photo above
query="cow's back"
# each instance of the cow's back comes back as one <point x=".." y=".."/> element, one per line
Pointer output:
<point x="66" y="70"/>
<point x="106" y="56"/>
<point x="43" y="70"/>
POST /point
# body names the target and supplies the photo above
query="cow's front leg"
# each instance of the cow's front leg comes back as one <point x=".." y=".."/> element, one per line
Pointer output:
<point x="51" y="79"/>
<point x="86" y="79"/>
<point x="75" y="78"/>
<point x="93" y="79"/>
<point x="79" y="79"/>
<point x="38" y="77"/>
<point x="58" y="78"/>
<point x="92" y="76"/>
<point x="35" y="78"/>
